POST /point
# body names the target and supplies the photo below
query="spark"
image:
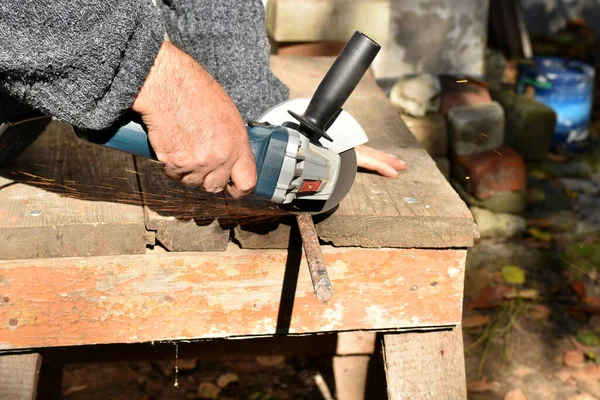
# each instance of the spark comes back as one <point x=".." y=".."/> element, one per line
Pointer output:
<point x="497" y="152"/>
<point x="462" y="81"/>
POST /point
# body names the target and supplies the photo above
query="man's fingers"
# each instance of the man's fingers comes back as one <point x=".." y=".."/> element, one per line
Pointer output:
<point x="216" y="181"/>
<point x="243" y="176"/>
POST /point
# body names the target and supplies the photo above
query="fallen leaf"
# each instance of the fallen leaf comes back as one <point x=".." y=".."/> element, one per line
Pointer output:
<point x="579" y="288"/>
<point x="573" y="358"/>
<point x="208" y="390"/>
<point x="522" y="372"/>
<point x="589" y="374"/>
<point x="525" y="294"/>
<point x="540" y="312"/>
<point x="565" y="376"/>
<point x="271" y="361"/>
<point x="483" y="386"/>
<point x="591" y="304"/>
<point x="515" y="394"/>
<point x="489" y="297"/>
<point x="513" y="275"/>
<point x="186" y="364"/>
<point x="591" y="355"/>
<point x="226" y="379"/>
<point x="588" y="339"/>
<point x="539" y="234"/>
<point x="475" y="321"/>
<point x="583" y="396"/>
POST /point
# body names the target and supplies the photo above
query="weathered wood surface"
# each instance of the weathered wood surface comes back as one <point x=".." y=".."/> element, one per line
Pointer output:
<point x="380" y="211"/>
<point x="425" y="365"/>
<point x="183" y="219"/>
<point x="66" y="197"/>
<point x="165" y="296"/>
<point x="19" y="376"/>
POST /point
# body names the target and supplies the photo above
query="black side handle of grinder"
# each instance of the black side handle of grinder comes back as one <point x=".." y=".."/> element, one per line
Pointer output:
<point x="337" y="85"/>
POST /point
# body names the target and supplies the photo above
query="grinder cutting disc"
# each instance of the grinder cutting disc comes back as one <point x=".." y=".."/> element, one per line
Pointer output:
<point x="346" y="133"/>
<point x="348" y="168"/>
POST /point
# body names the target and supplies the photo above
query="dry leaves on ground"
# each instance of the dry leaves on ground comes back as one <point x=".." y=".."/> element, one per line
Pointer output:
<point x="573" y="358"/>
<point x="515" y="394"/>
<point x="483" y="386"/>
<point x="475" y="321"/>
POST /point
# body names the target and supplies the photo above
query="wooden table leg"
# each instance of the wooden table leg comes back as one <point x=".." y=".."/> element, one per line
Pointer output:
<point x="351" y="364"/>
<point x="19" y="376"/>
<point x="425" y="365"/>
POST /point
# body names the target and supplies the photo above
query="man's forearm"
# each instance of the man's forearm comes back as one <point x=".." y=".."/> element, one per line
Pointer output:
<point x="82" y="61"/>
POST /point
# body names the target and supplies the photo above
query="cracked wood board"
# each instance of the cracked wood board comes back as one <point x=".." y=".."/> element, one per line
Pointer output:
<point x="87" y="203"/>
<point x="417" y="209"/>
<point x="176" y="296"/>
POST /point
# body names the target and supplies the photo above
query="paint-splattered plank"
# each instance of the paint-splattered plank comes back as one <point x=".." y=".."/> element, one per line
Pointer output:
<point x="417" y="209"/>
<point x="66" y="197"/>
<point x="165" y="296"/>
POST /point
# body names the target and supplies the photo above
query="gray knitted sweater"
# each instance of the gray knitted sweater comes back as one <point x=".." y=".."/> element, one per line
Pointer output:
<point x="83" y="61"/>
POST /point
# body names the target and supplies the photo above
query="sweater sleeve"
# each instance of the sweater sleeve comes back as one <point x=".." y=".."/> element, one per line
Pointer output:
<point x="81" y="61"/>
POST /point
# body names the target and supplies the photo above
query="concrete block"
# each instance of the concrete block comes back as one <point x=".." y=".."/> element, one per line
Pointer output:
<point x="497" y="225"/>
<point x="457" y="92"/>
<point x="484" y="174"/>
<point x="416" y="94"/>
<point x="529" y="124"/>
<point x="327" y="20"/>
<point x="431" y="132"/>
<point x="475" y="128"/>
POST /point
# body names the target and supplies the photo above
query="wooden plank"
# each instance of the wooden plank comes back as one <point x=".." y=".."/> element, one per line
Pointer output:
<point x="166" y="296"/>
<point x="350" y="374"/>
<point x="183" y="218"/>
<point x="358" y="342"/>
<point x="67" y="197"/>
<point x="425" y="365"/>
<point x="19" y="376"/>
<point x="417" y="209"/>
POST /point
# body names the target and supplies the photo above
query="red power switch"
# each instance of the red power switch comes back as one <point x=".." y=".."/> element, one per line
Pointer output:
<point x="310" y="186"/>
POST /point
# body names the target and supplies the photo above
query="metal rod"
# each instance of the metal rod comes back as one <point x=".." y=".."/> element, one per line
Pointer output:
<point x="314" y="256"/>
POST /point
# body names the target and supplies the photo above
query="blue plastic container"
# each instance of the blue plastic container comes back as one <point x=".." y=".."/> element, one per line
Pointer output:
<point x="567" y="87"/>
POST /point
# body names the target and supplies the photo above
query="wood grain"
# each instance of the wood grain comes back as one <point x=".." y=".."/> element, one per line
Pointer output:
<point x="19" y="376"/>
<point x="168" y="296"/>
<point x="378" y="211"/>
<point x="67" y="197"/>
<point x="425" y="365"/>
<point x="184" y="219"/>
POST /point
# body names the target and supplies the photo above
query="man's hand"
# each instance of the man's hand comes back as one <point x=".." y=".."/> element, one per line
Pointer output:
<point x="385" y="164"/>
<point x="193" y="126"/>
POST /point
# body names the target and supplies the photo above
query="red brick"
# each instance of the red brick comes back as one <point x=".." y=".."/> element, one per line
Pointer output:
<point x="484" y="174"/>
<point x="456" y="93"/>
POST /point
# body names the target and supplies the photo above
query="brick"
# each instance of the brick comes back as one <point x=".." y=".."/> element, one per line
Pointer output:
<point x="431" y="132"/>
<point x="457" y="93"/>
<point x="529" y="124"/>
<point x="475" y="128"/>
<point x="327" y="20"/>
<point x="483" y="175"/>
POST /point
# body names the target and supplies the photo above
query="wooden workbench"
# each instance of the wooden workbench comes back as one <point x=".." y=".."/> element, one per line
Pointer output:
<point x="84" y="232"/>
